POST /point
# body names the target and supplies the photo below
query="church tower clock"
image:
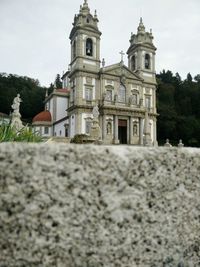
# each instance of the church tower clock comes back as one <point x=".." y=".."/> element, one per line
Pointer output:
<point x="141" y="53"/>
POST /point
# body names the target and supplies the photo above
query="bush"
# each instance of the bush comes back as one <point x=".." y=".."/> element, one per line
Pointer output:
<point x="26" y="134"/>
<point x="79" y="139"/>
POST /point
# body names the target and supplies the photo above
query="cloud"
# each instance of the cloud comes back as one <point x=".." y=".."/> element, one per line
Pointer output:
<point x="34" y="34"/>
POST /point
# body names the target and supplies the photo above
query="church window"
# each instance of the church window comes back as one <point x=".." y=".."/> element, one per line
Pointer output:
<point x="122" y="93"/>
<point x="88" y="20"/>
<point x="89" y="47"/>
<point x="109" y="95"/>
<point x="133" y="63"/>
<point x="148" y="102"/>
<point x="88" y="94"/>
<point x="74" y="49"/>
<point x="46" y="130"/>
<point x="87" y="126"/>
<point x="147" y="61"/>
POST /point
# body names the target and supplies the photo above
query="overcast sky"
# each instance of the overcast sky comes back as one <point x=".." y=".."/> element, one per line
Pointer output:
<point x="34" y="34"/>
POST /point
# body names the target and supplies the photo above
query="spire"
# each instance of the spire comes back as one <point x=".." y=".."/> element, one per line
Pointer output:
<point x="141" y="27"/>
<point x="85" y="7"/>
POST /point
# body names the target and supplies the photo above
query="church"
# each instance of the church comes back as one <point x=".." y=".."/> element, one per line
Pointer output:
<point x="125" y="95"/>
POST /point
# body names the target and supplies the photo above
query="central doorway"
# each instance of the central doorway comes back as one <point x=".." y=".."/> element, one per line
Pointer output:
<point x="122" y="131"/>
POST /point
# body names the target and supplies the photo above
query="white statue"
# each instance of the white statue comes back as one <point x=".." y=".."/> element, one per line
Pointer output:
<point x="95" y="112"/>
<point x="16" y="104"/>
<point x="16" y="116"/>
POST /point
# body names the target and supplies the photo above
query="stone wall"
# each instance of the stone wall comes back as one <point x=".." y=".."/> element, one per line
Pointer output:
<point x="97" y="206"/>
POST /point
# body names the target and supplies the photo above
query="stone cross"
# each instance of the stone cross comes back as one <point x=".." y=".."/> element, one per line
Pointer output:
<point x="122" y="55"/>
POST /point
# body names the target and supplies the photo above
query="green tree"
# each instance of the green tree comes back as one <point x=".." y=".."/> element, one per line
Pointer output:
<point x="58" y="82"/>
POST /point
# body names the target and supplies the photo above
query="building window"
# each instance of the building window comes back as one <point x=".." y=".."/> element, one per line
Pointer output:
<point x="109" y="95"/>
<point x="87" y="126"/>
<point x="122" y="93"/>
<point x="147" y="61"/>
<point x="148" y="102"/>
<point x="88" y="20"/>
<point x="46" y="130"/>
<point x="89" y="47"/>
<point x="88" y="94"/>
<point x="133" y="63"/>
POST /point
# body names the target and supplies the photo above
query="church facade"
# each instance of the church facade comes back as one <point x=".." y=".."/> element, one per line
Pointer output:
<point x="125" y="95"/>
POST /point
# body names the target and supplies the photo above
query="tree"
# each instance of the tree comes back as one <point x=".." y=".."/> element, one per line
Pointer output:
<point x="58" y="82"/>
<point x="197" y="78"/>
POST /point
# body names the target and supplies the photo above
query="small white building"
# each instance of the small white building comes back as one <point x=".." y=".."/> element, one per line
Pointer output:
<point x="53" y="121"/>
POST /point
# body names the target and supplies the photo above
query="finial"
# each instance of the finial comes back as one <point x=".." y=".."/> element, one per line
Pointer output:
<point x="95" y="13"/>
<point x="122" y="55"/>
<point x="85" y="1"/>
<point x="141" y="27"/>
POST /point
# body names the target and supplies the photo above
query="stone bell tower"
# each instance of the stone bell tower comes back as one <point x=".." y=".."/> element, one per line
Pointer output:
<point x="84" y="70"/>
<point x="141" y="53"/>
<point x="85" y="41"/>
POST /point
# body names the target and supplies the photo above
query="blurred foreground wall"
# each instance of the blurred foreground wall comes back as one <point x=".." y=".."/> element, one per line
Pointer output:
<point x="95" y="206"/>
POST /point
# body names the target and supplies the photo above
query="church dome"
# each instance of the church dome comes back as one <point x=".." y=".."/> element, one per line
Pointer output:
<point x="43" y="116"/>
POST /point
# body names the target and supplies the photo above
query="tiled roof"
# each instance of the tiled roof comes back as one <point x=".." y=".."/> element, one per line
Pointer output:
<point x="63" y="90"/>
<point x="43" y="116"/>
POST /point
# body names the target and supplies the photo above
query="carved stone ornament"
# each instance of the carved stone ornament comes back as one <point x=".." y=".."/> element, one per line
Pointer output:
<point x="88" y="80"/>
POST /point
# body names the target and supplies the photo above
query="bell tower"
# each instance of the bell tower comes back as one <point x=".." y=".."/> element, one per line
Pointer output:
<point x="85" y="41"/>
<point x="141" y="53"/>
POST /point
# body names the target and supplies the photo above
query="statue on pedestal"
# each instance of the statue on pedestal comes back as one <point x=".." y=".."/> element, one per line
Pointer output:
<point x="16" y="116"/>
<point x="147" y="134"/>
<point x="95" y="131"/>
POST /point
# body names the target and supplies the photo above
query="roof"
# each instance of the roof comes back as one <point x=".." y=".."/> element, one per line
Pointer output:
<point x="4" y="115"/>
<point x="43" y="116"/>
<point x="62" y="90"/>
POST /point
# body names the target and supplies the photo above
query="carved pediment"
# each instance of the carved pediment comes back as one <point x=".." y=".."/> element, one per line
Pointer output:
<point x="122" y="72"/>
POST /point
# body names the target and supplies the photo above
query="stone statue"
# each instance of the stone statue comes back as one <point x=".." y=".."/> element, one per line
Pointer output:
<point x="95" y="131"/>
<point x="95" y="112"/>
<point x="16" y="116"/>
<point x="16" y="104"/>
<point x="109" y="127"/>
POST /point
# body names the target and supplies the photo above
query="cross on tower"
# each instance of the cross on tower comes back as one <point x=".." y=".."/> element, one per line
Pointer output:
<point x="122" y="55"/>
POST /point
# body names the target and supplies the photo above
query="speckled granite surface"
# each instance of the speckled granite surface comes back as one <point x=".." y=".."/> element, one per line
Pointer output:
<point x="91" y="206"/>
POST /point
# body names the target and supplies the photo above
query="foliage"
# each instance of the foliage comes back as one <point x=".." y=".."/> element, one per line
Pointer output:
<point x="32" y="95"/>
<point x="178" y="103"/>
<point x="79" y="139"/>
<point x="58" y="82"/>
<point x="26" y="134"/>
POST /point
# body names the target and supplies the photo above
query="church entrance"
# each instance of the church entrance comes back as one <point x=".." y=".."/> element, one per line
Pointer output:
<point x="122" y="131"/>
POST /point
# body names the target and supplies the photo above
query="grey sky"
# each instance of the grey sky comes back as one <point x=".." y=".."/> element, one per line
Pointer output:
<point x="34" y="34"/>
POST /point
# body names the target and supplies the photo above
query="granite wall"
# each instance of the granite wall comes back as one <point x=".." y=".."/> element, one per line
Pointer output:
<point x="97" y="206"/>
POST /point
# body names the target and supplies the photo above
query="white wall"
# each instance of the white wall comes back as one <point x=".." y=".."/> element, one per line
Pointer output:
<point x="61" y="107"/>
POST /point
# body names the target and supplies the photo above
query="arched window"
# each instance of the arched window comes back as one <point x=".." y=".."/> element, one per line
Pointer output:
<point x="88" y="20"/>
<point x="89" y="47"/>
<point x="74" y="49"/>
<point x="147" y="61"/>
<point x="133" y="63"/>
<point x="122" y="93"/>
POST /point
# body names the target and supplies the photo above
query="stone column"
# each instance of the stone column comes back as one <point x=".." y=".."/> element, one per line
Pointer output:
<point x="104" y="127"/>
<point x="141" y="131"/>
<point x="130" y="130"/>
<point x="116" y="140"/>
<point x="155" y="142"/>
